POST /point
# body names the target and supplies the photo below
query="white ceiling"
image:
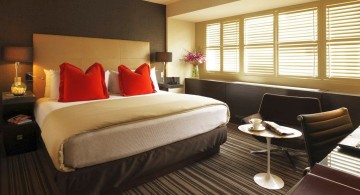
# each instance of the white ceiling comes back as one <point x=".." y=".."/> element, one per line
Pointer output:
<point x="230" y="9"/>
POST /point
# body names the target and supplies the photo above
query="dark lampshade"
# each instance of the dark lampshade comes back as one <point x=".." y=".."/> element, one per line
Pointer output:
<point x="18" y="54"/>
<point x="163" y="56"/>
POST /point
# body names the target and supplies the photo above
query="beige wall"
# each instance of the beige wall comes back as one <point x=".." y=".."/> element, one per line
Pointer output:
<point x="186" y="6"/>
<point x="180" y="37"/>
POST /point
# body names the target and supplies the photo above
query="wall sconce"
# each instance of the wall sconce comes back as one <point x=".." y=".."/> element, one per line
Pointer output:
<point x="164" y="57"/>
<point x="29" y="77"/>
<point x="17" y="55"/>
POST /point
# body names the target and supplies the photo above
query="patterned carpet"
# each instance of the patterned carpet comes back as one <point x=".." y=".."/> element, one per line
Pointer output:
<point x="229" y="172"/>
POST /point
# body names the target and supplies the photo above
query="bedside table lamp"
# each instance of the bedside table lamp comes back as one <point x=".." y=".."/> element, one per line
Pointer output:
<point x="164" y="57"/>
<point x="17" y="55"/>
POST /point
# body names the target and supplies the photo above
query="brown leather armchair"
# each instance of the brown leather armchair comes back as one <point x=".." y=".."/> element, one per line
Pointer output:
<point x="323" y="131"/>
<point x="284" y="110"/>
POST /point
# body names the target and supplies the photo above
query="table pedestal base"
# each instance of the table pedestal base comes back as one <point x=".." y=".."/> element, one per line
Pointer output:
<point x="269" y="181"/>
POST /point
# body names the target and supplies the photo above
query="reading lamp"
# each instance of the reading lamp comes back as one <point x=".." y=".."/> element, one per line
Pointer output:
<point x="164" y="57"/>
<point x="17" y="55"/>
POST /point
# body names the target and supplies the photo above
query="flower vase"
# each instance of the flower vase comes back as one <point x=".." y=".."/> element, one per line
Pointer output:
<point x="195" y="71"/>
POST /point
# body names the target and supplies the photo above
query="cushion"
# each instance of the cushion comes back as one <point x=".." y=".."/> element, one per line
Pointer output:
<point x="112" y="80"/>
<point x="75" y="85"/>
<point x="107" y="74"/>
<point x="135" y="83"/>
<point x="52" y="83"/>
<point x="154" y="79"/>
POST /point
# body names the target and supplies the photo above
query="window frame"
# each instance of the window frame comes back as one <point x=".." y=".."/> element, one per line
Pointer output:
<point x="258" y="45"/>
<point x="326" y="41"/>
<point x="221" y="47"/>
<point x="213" y="47"/>
<point x="301" y="43"/>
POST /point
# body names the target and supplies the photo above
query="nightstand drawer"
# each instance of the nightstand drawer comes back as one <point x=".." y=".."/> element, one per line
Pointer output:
<point x="20" y="138"/>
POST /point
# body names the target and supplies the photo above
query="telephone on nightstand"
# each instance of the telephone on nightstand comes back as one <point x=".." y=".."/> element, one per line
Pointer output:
<point x="172" y="80"/>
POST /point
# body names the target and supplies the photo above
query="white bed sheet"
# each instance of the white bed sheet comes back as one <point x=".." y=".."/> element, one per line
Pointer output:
<point x="130" y="139"/>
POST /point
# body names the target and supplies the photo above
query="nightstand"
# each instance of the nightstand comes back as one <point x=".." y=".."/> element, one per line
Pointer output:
<point x="23" y="137"/>
<point x="167" y="87"/>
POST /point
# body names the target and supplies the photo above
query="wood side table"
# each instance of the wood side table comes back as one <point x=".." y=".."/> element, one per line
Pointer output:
<point x="19" y="138"/>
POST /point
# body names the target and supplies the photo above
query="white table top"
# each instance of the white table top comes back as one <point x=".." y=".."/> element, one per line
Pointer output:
<point x="266" y="133"/>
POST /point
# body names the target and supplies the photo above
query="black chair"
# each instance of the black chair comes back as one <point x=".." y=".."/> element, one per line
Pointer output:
<point x="323" y="131"/>
<point x="284" y="110"/>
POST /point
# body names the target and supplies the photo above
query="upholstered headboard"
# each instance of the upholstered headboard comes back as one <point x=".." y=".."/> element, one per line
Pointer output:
<point x="52" y="50"/>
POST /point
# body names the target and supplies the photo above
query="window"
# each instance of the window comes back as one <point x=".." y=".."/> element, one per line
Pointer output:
<point x="222" y="47"/>
<point x="259" y="45"/>
<point x="213" y="47"/>
<point x="317" y="40"/>
<point x="297" y="43"/>
<point x="343" y="40"/>
<point x="231" y="52"/>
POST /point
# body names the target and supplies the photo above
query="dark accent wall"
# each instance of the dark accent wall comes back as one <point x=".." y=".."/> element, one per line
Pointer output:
<point x="115" y="19"/>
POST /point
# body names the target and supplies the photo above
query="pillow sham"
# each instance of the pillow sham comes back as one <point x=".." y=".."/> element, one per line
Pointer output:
<point x="52" y="82"/>
<point x="75" y="85"/>
<point x="135" y="83"/>
<point x="112" y="80"/>
<point x="154" y="79"/>
<point x="107" y="74"/>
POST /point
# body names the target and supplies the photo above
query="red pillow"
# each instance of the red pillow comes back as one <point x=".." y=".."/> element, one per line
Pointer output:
<point x="135" y="83"/>
<point x="75" y="85"/>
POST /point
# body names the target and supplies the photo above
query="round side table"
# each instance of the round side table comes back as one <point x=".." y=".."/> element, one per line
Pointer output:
<point x="268" y="180"/>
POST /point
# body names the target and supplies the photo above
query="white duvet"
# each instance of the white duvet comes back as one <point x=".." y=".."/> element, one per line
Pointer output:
<point x="121" y="141"/>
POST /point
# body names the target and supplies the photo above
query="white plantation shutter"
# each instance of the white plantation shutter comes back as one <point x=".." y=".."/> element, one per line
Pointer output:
<point x="213" y="59"/>
<point x="343" y="40"/>
<point x="213" y="47"/>
<point x="297" y="43"/>
<point x="231" y="55"/>
<point x="259" y="45"/>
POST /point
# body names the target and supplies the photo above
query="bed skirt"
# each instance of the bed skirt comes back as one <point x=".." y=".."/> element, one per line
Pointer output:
<point x="119" y="175"/>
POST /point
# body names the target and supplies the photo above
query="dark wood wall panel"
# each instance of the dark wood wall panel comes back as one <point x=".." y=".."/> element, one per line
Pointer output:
<point x="215" y="89"/>
<point x="238" y="94"/>
<point x="244" y="99"/>
<point x="331" y="101"/>
<point x="114" y="19"/>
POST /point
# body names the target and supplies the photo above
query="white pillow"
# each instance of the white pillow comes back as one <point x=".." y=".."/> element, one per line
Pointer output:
<point x="107" y="74"/>
<point x="112" y="80"/>
<point x="52" y="83"/>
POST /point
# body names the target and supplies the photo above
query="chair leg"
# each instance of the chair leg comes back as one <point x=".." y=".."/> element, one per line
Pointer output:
<point x="306" y="171"/>
<point x="289" y="157"/>
<point x="258" y="152"/>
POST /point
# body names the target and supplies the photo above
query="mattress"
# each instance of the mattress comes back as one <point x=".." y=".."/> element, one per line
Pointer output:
<point x="120" y="141"/>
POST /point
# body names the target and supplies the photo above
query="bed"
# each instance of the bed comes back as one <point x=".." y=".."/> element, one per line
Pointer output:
<point x="110" y="145"/>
